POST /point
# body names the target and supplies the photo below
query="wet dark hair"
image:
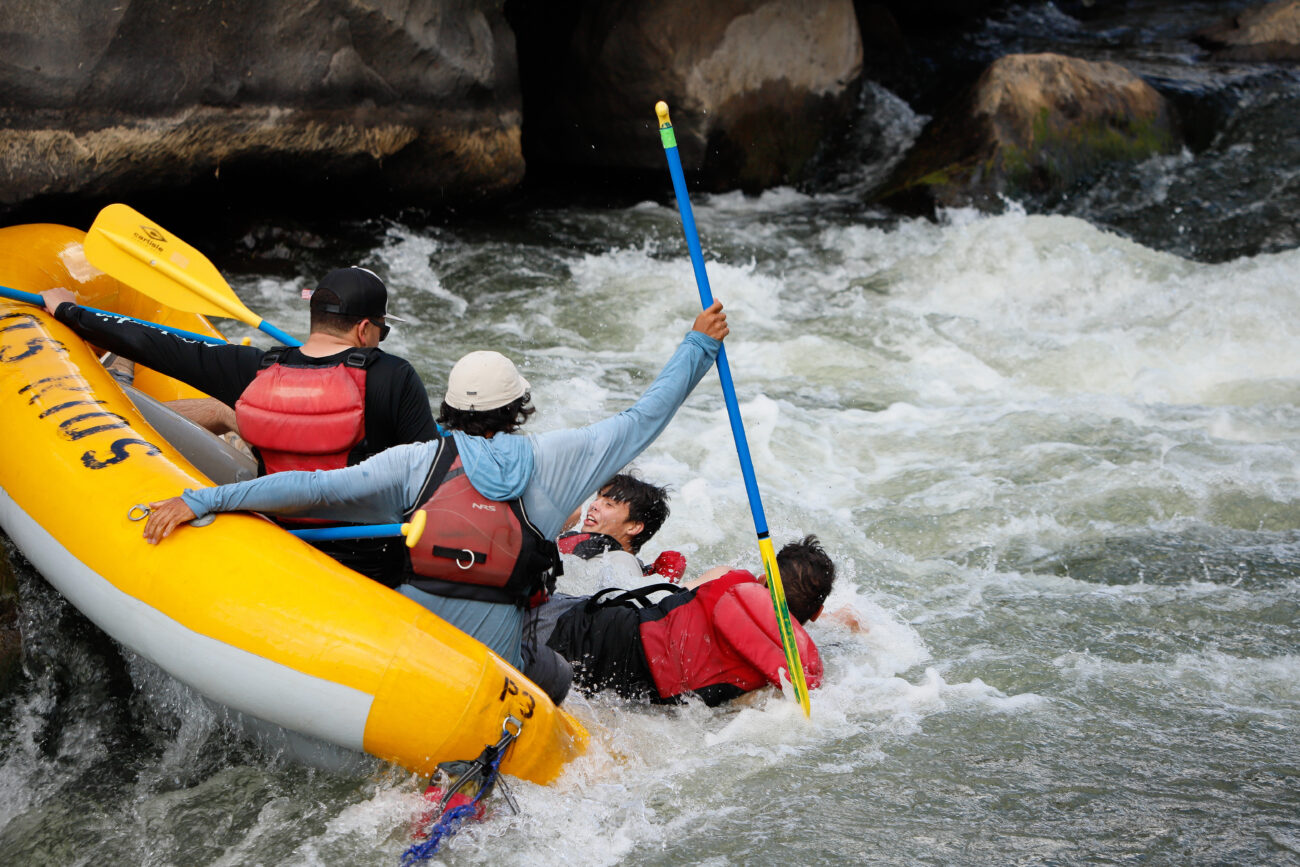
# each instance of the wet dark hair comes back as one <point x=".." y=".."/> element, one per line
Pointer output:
<point x="481" y="423"/>
<point x="646" y="503"/>
<point x="807" y="574"/>
<point x="330" y="323"/>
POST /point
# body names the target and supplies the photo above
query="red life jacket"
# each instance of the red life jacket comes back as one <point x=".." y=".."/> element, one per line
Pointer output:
<point x="305" y="418"/>
<point x="720" y="642"/>
<point x="476" y="548"/>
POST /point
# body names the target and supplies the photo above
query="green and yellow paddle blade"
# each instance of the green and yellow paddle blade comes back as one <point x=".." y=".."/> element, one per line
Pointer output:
<point x="776" y="590"/>
<point x="136" y="250"/>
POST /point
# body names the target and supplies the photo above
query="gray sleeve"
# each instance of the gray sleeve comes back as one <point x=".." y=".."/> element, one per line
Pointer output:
<point x="571" y="464"/>
<point x="376" y="491"/>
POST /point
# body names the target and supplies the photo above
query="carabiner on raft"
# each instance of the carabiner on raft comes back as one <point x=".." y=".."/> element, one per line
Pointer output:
<point x="462" y="797"/>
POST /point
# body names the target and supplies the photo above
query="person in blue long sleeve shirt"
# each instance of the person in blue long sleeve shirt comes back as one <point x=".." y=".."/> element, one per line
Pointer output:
<point x="548" y="474"/>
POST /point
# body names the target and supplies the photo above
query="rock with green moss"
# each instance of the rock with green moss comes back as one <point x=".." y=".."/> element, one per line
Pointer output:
<point x="1032" y="124"/>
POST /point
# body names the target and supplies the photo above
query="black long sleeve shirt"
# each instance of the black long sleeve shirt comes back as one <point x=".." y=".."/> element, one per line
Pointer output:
<point x="397" y="405"/>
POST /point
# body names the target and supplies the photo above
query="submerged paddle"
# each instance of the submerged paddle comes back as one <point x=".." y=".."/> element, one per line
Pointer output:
<point x="774" y="585"/>
<point x="32" y="298"/>
<point x="140" y="253"/>
<point x="412" y="530"/>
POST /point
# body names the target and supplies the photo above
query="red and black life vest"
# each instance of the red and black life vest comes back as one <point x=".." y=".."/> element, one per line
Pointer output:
<point x="587" y="545"/>
<point x="719" y="641"/>
<point x="476" y="548"/>
<point x="305" y="417"/>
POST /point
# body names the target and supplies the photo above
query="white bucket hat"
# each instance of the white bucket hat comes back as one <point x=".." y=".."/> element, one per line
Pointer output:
<point x="484" y="380"/>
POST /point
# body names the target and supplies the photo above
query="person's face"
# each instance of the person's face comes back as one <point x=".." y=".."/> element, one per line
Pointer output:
<point x="609" y="517"/>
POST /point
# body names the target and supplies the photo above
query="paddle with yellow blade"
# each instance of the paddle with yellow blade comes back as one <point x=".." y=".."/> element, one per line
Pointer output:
<point x="140" y="253"/>
<point x="793" y="663"/>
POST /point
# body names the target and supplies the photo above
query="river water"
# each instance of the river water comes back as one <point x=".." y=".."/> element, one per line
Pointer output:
<point x="1057" y="469"/>
<point x="1056" y="458"/>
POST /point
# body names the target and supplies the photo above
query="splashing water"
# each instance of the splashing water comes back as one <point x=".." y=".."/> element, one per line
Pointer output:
<point x="1057" y="471"/>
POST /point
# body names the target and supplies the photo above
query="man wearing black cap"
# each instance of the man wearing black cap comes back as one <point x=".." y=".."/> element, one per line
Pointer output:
<point x="350" y="399"/>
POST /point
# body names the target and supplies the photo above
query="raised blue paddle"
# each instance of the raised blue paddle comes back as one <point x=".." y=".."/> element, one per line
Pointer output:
<point x="774" y="585"/>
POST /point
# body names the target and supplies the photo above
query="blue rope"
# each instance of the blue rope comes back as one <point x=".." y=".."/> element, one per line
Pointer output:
<point x="449" y="822"/>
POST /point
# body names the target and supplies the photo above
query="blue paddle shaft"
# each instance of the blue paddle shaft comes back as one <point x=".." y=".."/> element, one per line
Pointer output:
<point x="322" y="534"/>
<point x="724" y="369"/>
<point x="284" y="337"/>
<point x="32" y="298"/>
<point x="794" y="663"/>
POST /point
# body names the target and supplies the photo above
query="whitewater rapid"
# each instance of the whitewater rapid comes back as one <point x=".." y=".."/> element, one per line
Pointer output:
<point x="1058" y="472"/>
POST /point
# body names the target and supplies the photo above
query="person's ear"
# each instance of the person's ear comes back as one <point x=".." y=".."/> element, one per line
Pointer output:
<point x="817" y="613"/>
<point x="633" y="528"/>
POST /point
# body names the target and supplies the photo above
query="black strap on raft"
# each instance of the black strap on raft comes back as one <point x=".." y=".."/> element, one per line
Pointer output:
<point x="483" y="775"/>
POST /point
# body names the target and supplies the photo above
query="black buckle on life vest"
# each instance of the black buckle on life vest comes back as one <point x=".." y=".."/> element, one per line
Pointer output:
<point x="359" y="358"/>
<point x="272" y="356"/>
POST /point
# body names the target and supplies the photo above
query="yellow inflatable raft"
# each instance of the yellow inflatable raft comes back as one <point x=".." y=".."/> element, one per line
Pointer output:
<point x="249" y="616"/>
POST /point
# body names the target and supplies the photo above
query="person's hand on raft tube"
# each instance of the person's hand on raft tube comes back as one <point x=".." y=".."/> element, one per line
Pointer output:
<point x="712" y="321"/>
<point x="56" y="296"/>
<point x="164" y="517"/>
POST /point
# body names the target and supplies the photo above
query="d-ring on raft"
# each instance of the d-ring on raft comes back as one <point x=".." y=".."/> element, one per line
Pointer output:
<point x="140" y="511"/>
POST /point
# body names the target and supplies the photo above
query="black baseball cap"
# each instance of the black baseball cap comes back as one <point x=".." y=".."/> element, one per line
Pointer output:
<point x="351" y="291"/>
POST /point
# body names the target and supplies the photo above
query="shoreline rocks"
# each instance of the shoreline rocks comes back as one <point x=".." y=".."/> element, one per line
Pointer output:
<point x="421" y="100"/>
<point x="753" y="86"/>
<point x="1262" y="33"/>
<point x="341" y="108"/>
<point x="415" y="104"/>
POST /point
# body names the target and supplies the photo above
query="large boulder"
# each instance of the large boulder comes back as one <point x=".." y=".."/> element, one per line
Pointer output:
<point x="1032" y="124"/>
<point x="415" y="97"/>
<point x="1267" y="32"/>
<point x="753" y="86"/>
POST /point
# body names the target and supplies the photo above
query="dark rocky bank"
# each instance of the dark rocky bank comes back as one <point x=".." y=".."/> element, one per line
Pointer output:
<point x="221" y="109"/>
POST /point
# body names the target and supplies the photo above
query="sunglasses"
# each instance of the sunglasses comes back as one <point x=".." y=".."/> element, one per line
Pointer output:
<point x="383" y="329"/>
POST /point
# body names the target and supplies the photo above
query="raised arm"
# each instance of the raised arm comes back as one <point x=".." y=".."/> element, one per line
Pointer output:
<point x="570" y="464"/>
